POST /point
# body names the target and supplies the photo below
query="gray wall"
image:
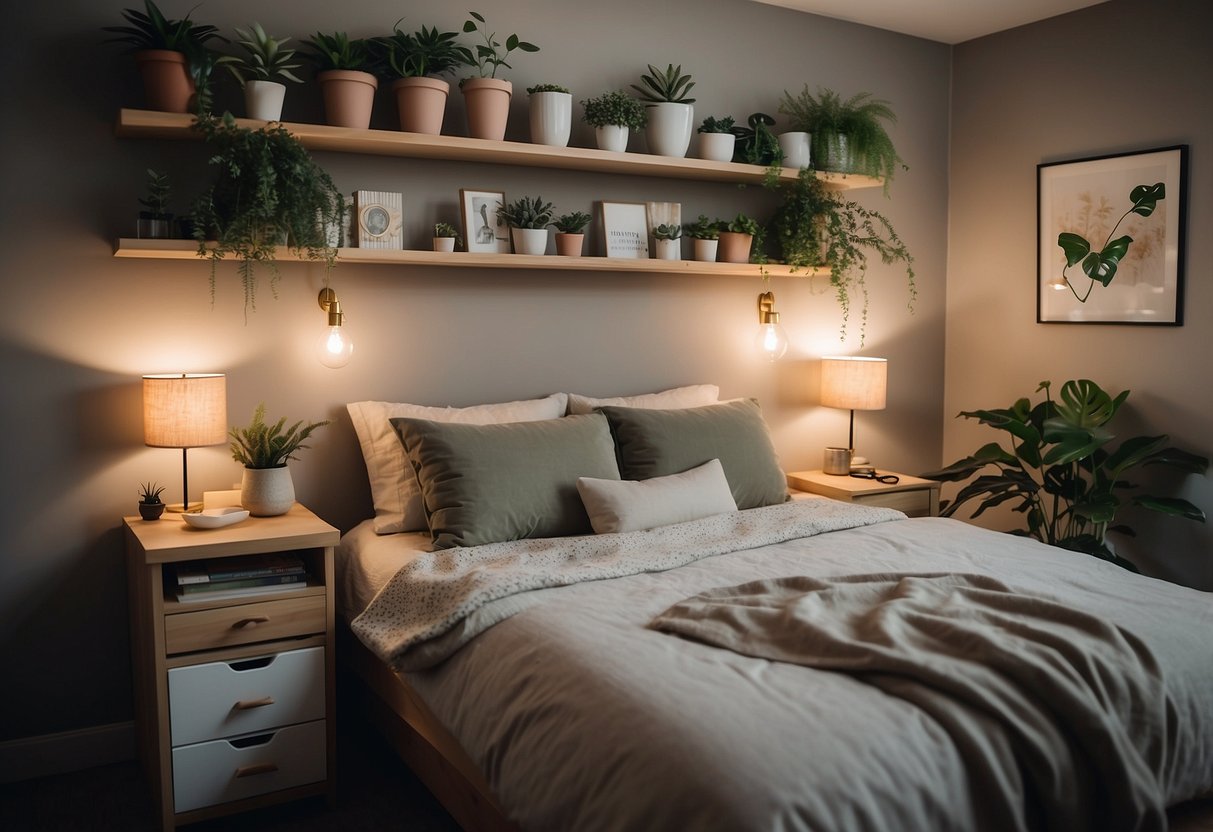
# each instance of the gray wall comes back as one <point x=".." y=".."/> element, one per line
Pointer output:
<point x="80" y="327"/>
<point x="1122" y="76"/>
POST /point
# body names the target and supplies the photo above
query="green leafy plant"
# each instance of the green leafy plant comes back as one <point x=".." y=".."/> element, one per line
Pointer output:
<point x="667" y="231"/>
<point x="741" y="224"/>
<point x="424" y="52"/>
<point x="1062" y="471"/>
<point x="756" y="144"/>
<point x="150" y="29"/>
<point x="445" y="229"/>
<point x="847" y="135"/>
<point x="155" y="204"/>
<point x="573" y="223"/>
<point x="526" y="213"/>
<point x="546" y="88"/>
<point x="264" y="58"/>
<point x="671" y="85"/>
<point x="149" y="493"/>
<point x="269" y="446"/>
<point x="337" y="51"/>
<point x="1102" y="265"/>
<point x="201" y="65"/>
<point x="703" y="228"/>
<point x="711" y="124"/>
<point x="489" y="57"/>
<point x="614" y="108"/>
<point x="267" y="191"/>
<point x="814" y="226"/>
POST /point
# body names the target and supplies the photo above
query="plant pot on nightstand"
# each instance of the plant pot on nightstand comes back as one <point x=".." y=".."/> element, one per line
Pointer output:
<point x="267" y="492"/>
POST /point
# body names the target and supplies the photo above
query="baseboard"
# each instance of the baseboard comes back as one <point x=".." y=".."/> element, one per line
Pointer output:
<point x="41" y="756"/>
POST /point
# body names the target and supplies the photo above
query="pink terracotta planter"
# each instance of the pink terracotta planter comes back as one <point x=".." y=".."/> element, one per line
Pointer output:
<point x="421" y="103"/>
<point x="734" y="247"/>
<point x="569" y="245"/>
<point x="167" y="85"/>
<point x="348" y="97"/>
<point x="488" y="106"/>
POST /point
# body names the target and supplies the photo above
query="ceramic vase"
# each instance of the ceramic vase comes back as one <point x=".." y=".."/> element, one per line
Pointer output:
<point x="530" y="240"/>
<point x="612" y="137"/>
<point x="551" y="118"/>
<point x="488" y="107"/>
<point x="421" y="103"/>
<point x="263" y="99"/>
<point x="669" y="129"/>
<point x="795" y="147"/>
<point x="267" y="492"/>
<point x="717" y="147"/>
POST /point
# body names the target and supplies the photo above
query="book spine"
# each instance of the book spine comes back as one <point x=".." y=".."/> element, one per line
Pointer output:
<point x="242" y="583"/>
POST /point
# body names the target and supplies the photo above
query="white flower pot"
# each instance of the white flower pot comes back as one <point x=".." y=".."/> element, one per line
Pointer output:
<point x="263" y="99"/>
<point x="669" y="128"/>
<point x="551" y="118"/>
<point x="668" y="250"/>
<point x="612" y="137"/>
<point x="705" y="250"/>
<point x="795" y="147"/>
<point x="267" y="492"/>
<point x="530" y="240"/>
<point x="716" y="147"/>
<point x="444" y="244"/>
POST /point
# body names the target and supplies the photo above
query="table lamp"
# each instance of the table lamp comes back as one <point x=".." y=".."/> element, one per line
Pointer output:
<point x="184" y="410"/>
<point x="854" y="383"/>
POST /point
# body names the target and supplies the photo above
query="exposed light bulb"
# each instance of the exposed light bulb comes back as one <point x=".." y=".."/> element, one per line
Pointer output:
<point x="335" y="345"/>
<point x="771" y="340"/>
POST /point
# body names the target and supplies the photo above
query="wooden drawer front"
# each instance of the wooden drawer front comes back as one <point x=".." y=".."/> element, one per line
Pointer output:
<point x="220" y="699"/>
<point x="916" y="503"/>
<point x="219" y="772"/>
<point x="243" y="624"/>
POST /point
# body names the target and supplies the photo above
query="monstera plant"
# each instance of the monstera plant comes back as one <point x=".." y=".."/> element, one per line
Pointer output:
<point x="1062" y="471"/>
<point x="1102" y="265"/>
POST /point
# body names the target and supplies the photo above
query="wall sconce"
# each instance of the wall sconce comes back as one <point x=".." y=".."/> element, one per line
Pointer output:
<point x="334" y="347"/>
<point x="184" y="410"/>
<point x="854" y="383"/>
<point x="771" y="340"/>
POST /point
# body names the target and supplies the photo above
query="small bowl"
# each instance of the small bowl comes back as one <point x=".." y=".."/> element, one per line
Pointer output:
<point x="214" y="518"/>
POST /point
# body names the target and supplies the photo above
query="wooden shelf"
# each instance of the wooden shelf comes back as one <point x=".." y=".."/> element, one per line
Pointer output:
<point x="186" y="250"/>
<point x="153" y="124"/>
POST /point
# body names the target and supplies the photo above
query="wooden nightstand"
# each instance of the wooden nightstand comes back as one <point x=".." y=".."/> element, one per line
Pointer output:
<point x="234" y="698"/>
<point x="916" y="497"/>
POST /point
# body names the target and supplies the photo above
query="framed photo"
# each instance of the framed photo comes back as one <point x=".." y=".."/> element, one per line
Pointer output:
<point x="482" y="229"/>
<point x="625" y="229"/>
<point x="378" y="219"/>
<point x="1110" y="246"/>
<point x="662" y="213"/>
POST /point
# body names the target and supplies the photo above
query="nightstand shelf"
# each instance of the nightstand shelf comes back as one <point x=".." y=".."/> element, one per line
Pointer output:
<point x="915" y="496"/>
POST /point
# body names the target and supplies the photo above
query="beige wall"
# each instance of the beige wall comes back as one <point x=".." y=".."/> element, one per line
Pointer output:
<point x="1122" y="76"/>
<point x="79" y="327"/>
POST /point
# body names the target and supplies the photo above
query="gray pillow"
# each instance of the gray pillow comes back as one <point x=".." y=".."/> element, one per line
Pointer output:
<point x="656" y="443"/>
<point x="488" y="483"/>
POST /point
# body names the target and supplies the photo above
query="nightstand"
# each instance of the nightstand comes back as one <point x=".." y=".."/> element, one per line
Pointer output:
<point x="234" y="697"/>
<point x="916" y="497"/>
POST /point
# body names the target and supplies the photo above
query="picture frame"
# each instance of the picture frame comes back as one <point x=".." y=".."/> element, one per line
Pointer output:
<point x="662" y="213"/>
<point x="1124" y="257"/>
<point x="625" y="229"/>
<point x="483" y="231"/>
<point x="378" y="219"/>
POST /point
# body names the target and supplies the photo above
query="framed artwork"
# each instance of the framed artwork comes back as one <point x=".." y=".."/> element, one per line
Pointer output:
<point x="625" y="229"/>
<point x="1110" y="246"/>
<point x="662" y="213"/>
<point x="482" y="229"/>
<point x="379" y="219"/>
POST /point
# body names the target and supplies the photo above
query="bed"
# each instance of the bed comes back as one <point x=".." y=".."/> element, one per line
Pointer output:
<point x="633" y="679"/>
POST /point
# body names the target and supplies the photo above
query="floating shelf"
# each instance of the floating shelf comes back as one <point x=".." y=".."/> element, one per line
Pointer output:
<point x="158" y="125"/>
<point x="186" y="250"/>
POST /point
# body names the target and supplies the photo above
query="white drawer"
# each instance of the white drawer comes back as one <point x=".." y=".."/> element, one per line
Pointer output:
<point x="220" y="699"/>
<point x="221" y="771"/>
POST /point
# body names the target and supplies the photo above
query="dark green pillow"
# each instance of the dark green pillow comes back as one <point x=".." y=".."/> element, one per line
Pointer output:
<point x="657" y="443"/>
<point x="487" y="483"/>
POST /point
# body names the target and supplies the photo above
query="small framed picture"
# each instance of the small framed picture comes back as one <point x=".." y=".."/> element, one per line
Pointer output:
<point x="484" y="231"/>
<point x="625" y="229"/>
<point x="662" y="213"/>
<point x="378" y="219"/>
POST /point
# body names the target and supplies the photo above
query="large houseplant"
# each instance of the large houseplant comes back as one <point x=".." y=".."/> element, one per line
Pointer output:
<point x="264" y="451"/>
<point x="847" y="135"/>
<point x="416" y="60"/>
<point x="1063" y="473"/>
<point x="487" y="96"/>
<point x="671" y="111"/>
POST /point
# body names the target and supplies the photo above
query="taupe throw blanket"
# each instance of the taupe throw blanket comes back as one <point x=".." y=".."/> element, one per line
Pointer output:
<point x="1053" y="709"/>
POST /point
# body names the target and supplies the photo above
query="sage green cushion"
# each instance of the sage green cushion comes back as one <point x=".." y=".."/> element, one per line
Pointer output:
<point x="488" y="483"/>
<point x="657" y="443"/>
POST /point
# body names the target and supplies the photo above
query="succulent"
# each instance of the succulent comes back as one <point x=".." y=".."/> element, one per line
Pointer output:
<point x="445" y="229"/>
<point x="614" y="108"/>
<point x="266" y="59"/>
<point x="711" y="124"/>
<point x="741" y="224"/>
<point x="703" y="228"/>
<point x="149" y="493"/>
<point x="489" y="54"/>
<point x="573" y="223"/>
<point x="667" y="231"/>
<point x="269" y="446"/>
<point x="150" y="29"/>
<point x="671" y="85"/>
<point x="424" y="52"/>
<point x="526" y="213"/>
<point x="546" y="88"/>
<point x="337" y="51"/>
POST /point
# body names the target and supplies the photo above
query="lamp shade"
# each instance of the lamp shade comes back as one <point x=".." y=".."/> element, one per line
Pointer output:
<point x="185" y="410"/>
<point x="854" y="383"/>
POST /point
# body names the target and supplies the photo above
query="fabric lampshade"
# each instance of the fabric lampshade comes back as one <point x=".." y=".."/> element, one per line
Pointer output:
<point x="854" y="383"/>
<point x="185" y="410"/>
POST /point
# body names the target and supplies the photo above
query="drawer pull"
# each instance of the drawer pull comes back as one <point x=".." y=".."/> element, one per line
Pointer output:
<point x="260" y="768"/>
<point x="246" y="623"/>
<point x="249" y="704"/>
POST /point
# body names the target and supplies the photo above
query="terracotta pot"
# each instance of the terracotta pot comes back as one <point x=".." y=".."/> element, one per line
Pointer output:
<point x="267" y="492"/>
<point x="705" y="250"/>
<point x="717" y="147"/>
<point x="551" y="118"/>
<point x="263" y="99"/>
<point x="612" y="137"/>
<point x="669" y="129"/>
<point x="488" y="106"/>
<point x="167" y="85"/>
<point x="421" y="103"/>
<point x="348" y="97"/>
<point x="444" y="244"/>
<point x="569" y="245"/>
<point x="734" y="247"/>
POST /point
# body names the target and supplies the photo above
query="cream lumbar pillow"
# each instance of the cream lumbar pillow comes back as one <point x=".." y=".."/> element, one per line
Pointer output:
<point x="695" y="395"/>
<point x="633" y="505"/>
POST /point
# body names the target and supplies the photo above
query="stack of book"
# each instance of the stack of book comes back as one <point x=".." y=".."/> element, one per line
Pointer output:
<point x="234" y="577"/>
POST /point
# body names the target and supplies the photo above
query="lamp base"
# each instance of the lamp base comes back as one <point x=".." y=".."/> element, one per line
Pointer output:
<point x="178" y="508"/>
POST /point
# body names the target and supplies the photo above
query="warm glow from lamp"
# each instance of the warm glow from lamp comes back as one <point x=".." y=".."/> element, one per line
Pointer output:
<point x="184" y="410"/>
<point x="771" y="340"/>
<point x="335" y="348"/>
<point x="854" y="383"/>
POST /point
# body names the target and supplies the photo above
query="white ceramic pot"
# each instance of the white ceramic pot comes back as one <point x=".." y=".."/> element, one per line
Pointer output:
<point x="267" y="492"/>
<point x="705" y="250"/>
<point x="263" y="99"/>
<point x="795" y="147"/>
<point x="612" y="137"/>
<point x="668" y="250"/>
<point x="444" y="244"/>
<point x="530" y="240"/>
<point x="551" y="118"/>
<point x="669" y="129"/>
<point x="716" y="147"/>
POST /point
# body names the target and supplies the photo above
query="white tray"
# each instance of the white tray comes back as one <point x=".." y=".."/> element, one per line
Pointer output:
<point x="214" y="518"/>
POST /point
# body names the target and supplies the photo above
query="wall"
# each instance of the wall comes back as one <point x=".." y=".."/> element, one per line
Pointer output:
<point x="1122" y="76"/>
<point x="80" y="327"/>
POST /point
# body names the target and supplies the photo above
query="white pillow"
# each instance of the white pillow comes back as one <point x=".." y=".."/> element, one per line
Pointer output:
<point x="393" y="483"/>
<point x="696" y="395"/>
<point x="632" y="505"/>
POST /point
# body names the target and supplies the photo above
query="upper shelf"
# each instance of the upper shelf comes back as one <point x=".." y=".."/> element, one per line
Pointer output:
<point x="154" y="124"/>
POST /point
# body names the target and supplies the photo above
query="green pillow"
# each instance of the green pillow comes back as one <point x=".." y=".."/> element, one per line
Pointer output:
<point x="487" y="483"/>
<point x="657" y="443"/>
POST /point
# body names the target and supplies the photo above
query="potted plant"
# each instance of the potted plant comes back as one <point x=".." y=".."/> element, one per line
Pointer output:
<point x="1062" y="473"/>
<point x="669" y="241"/>
<point x="268" y="191"/>
<point x="415" y="59"/>
<point x="612" y="115"/>
<point x="848" y="136"/>
<point x="345" y="82"/>
<point x="706" y="236"/>
<point x="163" y="50"/>
<point x="737" y="238"/>
<point x="756" y="144"/>
<point x="528" y="220"/>
<point x="150" y="504"/>
<point x="446" y="237"/>
<point x="155" y="220"/>
<point x="551" y="114"/>
<point x="258" y="71"/>
<point x="488" y="97"/>
<point x="716" y="139"/>
<point x="671" y="114"/>
<point x="264" y="450"/>
<point x="570" y="233"/>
